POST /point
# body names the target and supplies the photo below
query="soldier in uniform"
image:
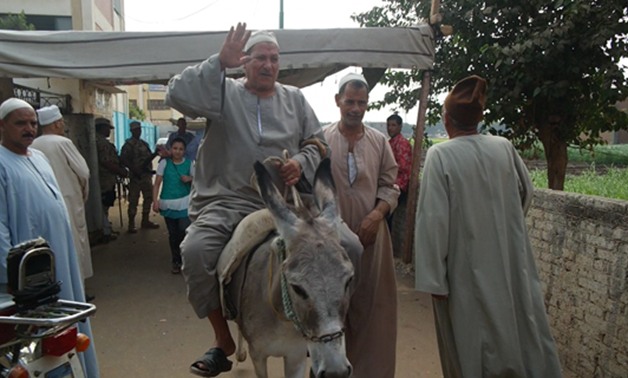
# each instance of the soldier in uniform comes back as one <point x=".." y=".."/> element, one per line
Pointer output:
<point x="138" y="158"/>
<point x="109" y="167"/>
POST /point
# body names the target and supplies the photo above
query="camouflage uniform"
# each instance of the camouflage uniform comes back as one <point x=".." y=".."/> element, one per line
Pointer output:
<point x="107" y="153"/>
<point x="137" y="156"/>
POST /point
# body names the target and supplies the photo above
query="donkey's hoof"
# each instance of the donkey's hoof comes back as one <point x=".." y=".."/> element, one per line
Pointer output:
<point x="241" y="355"/>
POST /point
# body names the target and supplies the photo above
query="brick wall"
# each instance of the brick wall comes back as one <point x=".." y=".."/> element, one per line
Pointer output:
<point x="581" y="246"/>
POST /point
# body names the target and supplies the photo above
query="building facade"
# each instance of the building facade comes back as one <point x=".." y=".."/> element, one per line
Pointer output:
<point x="149" y="99"/>
<point x="71" y="95"/>
<point x="80" y="101"/>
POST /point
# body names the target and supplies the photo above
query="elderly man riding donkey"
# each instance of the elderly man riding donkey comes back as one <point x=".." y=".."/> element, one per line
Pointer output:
<point x="251" y="119"/>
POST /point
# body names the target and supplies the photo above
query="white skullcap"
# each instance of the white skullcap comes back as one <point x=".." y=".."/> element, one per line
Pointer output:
<point x="259" y="37"/>
<point x="351" y="77"/>
<point x="48" y="114"/>
<point x="13" y="104"/>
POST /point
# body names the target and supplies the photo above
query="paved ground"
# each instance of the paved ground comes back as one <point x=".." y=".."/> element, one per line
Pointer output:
<point x="144" y="326"/>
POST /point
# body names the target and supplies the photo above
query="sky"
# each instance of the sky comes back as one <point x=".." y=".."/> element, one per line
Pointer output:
<point x="207" y="15"/>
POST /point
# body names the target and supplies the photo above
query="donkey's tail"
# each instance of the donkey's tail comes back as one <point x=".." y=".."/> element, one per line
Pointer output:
<point x="240" y="353"/>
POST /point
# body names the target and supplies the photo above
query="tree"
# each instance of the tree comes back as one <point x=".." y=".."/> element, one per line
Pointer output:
<point x="15" y="22"/>
<point x="553" y="67"/>
<point x="12" y="22"/>
<point x="136" y="113"/>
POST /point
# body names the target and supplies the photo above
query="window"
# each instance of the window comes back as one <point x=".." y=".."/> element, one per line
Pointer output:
<point x="50" y="22"/>
<point x="157" y="105"/>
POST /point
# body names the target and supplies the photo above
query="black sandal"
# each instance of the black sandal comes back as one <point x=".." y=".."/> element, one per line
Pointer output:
<point x="215" y="362"/>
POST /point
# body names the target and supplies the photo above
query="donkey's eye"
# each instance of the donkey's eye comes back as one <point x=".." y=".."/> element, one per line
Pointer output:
<point x="300" y="292"/>
<point x="348" y="284"/>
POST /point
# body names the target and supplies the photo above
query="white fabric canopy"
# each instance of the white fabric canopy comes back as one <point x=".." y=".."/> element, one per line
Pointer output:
<point x="117" y="58"/>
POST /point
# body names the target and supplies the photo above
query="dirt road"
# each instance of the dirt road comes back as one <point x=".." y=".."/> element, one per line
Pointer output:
<point x="144" y="326"/>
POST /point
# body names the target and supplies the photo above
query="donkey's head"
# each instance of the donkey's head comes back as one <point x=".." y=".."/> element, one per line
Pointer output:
<point x="317" y="270"/>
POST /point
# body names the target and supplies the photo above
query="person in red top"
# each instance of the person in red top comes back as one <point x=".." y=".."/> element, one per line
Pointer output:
<point x="402" y="151"/>
<point x="403" y="156"/>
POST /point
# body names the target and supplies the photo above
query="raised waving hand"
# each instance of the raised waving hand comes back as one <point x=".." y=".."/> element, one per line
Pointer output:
<point x="232" y="54"/>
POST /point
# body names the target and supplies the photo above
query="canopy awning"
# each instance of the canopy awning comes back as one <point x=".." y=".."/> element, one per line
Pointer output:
<point x="122" y="58"/>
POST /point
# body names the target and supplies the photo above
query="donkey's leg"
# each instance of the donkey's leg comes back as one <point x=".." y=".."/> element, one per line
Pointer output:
<point x="240" y="348"/>
<point x="260" y="362"/>
<point x="295" y="363"/>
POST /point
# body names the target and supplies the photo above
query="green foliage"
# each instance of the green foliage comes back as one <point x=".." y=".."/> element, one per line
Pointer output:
<point x="11" y="22"/>
<point x="438" y="140"/>
<point x="550" y="64"/>
<point x="601" y="154"/>
<point x="15" y="22"/>
<point x="611" y="184"/>
<point x="136" y="113"/>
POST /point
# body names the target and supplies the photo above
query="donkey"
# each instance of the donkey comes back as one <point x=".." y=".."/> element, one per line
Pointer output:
<point x="296" y="292"/>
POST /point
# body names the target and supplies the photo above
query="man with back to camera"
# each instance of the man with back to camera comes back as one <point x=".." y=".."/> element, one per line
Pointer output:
<point x="249" y="119"/>
<point x="473" y="253"/>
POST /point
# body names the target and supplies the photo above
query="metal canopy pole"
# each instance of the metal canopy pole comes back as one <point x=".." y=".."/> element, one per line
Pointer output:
<point x="417" y="152"/>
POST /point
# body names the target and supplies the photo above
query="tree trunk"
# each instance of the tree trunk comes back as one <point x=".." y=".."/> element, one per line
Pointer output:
<point x="6" y="88"/>
<point x="555" y="155"/>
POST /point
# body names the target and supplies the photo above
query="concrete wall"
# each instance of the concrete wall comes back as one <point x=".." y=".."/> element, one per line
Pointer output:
<point x="142" y="94"/>
<point x="48" y="7"/>
<point x="105" y="10"/>
<point x="82" y="133"/>
<point x="620" y="137"/>
<point x="581" y="246"/>
<point x="56" y="85"/>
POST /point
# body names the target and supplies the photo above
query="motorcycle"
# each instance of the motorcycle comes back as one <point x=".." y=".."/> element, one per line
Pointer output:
<point x="38" y="332"/>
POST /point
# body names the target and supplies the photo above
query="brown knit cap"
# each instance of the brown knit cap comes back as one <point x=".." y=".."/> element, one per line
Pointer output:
<point x="465" y="103"/>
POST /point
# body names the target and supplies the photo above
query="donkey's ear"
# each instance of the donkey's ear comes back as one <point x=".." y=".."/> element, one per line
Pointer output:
<point x="325" y="191"/>
<point x="285" y="219"/>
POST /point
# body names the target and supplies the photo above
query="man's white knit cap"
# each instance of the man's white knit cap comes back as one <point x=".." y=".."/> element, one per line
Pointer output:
<point x="13" y="104"/>
<point x="48" y="114"/>
<point x="259" y="37"/>
<point x="351" y="77"/>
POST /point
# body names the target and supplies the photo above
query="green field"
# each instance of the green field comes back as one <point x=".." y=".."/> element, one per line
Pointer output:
<point x="613" y="155"/>
<point x="612" y="183"/>
<point x="606" y="176"/>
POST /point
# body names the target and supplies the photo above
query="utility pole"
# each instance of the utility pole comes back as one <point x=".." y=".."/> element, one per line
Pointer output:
<point x="280" y="14"/>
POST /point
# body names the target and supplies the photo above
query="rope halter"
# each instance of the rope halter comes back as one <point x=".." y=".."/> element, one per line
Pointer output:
<point x="279" y="246"/>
